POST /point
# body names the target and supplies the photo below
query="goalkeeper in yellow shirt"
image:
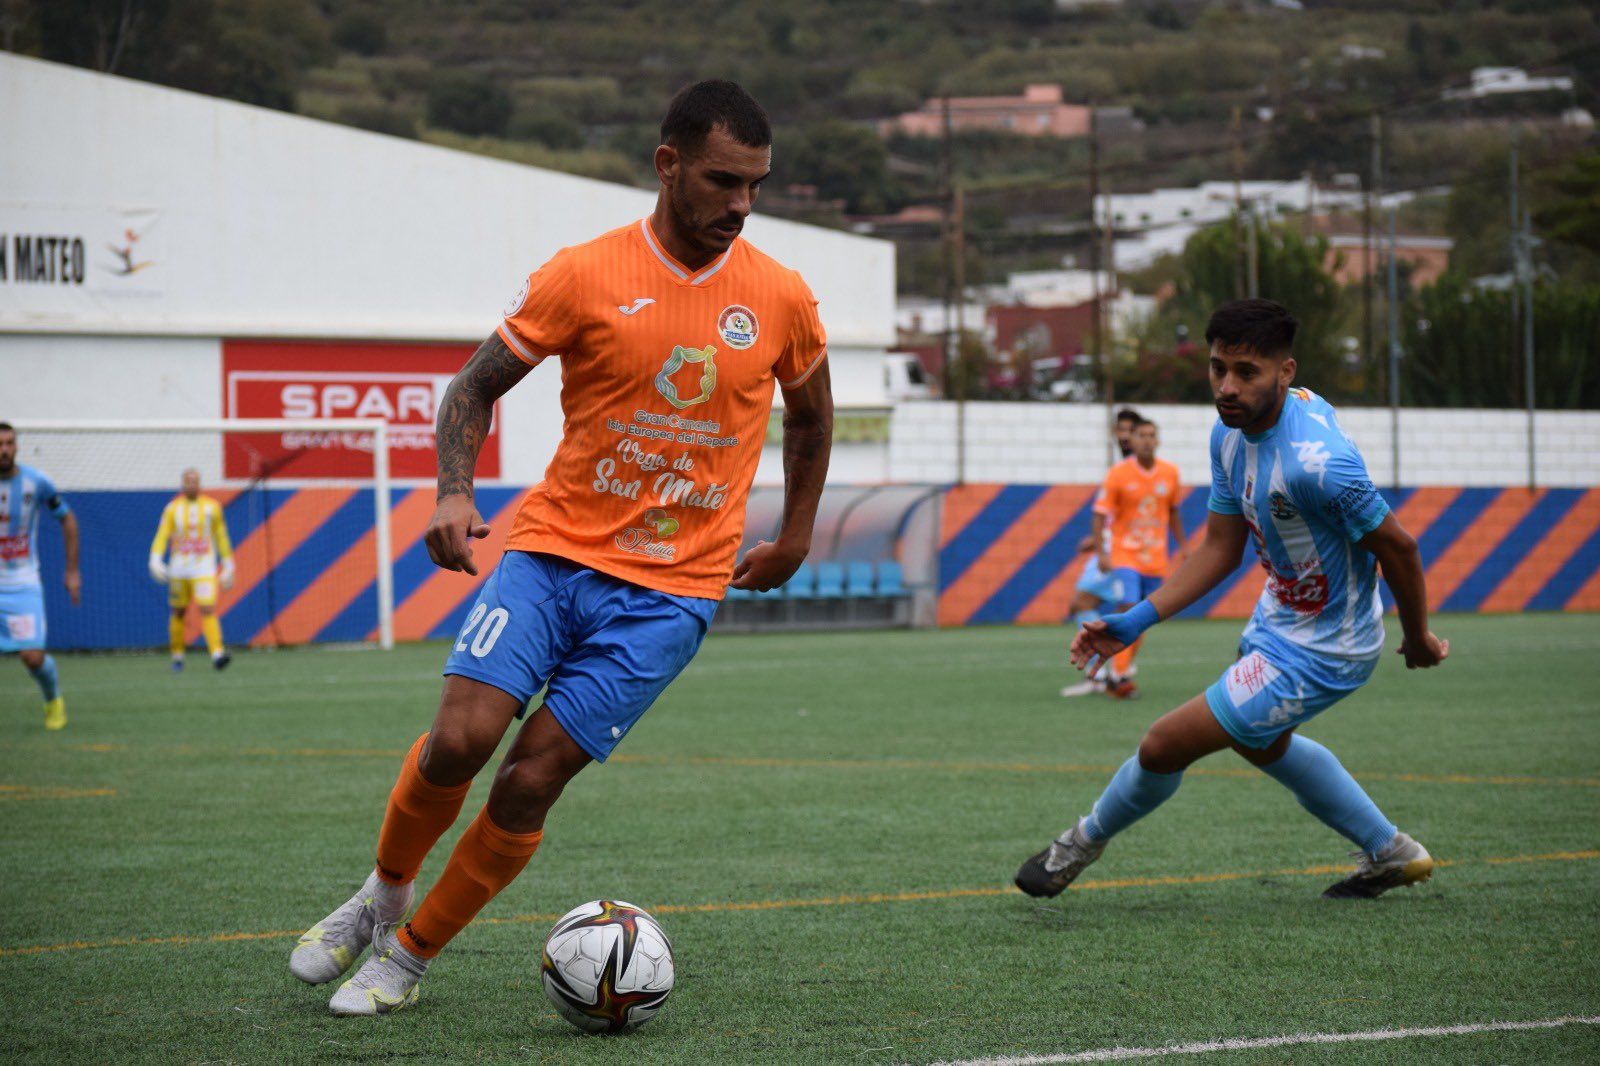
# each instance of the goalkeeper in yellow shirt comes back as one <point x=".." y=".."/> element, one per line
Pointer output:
<point x="201" y="555"/>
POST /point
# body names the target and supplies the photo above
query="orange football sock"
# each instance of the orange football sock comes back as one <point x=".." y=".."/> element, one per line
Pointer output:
<point x="1122" y="662"/>
<point x="418" y="814"/>
<point x="486" y="860"/>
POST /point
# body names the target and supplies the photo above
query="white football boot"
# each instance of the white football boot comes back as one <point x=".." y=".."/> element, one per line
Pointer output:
<point x="1402" y="863"/>
<point x="386" y="982"/>
<point x="326" y="950"/>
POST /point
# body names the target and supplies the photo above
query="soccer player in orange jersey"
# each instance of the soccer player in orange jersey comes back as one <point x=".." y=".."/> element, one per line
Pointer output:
<point x="672" y="332"/>
<point x="1139" y="501"/>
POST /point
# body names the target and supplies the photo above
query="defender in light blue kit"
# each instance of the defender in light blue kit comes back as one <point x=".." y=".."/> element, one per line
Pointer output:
<point x="25" y="493"/>
<point x="1285" y="478"/>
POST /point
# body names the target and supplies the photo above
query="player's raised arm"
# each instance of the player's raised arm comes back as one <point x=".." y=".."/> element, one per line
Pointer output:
<point x="807" y="443"/>
<point x="1401" y="561"/>
<point x="464" y="418"/>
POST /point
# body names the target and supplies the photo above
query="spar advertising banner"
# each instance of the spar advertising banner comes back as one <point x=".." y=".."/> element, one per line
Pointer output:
<point x="399" y="383"/>
<point x="63" y="262"/>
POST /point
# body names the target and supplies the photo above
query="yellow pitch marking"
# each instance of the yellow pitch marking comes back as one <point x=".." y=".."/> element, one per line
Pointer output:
<point x="44" y="792"/>
<point x="854" y="899"/>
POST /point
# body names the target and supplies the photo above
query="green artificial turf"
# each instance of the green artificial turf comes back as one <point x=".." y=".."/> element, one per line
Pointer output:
<point x="880" y="789"/>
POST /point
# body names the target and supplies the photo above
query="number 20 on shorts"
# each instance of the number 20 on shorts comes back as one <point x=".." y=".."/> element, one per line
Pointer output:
<point x="492" y="624"/>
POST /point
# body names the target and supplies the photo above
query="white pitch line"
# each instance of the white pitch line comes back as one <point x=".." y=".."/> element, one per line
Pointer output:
<point x="1120" y="1054"/>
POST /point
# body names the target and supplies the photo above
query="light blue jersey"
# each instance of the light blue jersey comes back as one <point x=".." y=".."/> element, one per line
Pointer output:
<point x="1303" y="488"/>
<point x="23" y="496"/>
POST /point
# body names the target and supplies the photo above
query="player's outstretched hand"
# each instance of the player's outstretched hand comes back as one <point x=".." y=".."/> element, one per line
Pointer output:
<point x="225" y="574"/>
<point x="1421" y="654"/>
<point x="766" y="566"/>
<point x="74" y="582"/>
<point x="1093" y="645"/>
<point x="456" y="523"/>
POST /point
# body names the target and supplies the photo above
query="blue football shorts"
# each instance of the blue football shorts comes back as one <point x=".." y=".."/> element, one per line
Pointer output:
<point x="1133" y="586"/>
<point x="1274" y="688"/>
<point x="602" y="649"/>
<point x="1099" y="584"/>
<point x="21" y="619"/>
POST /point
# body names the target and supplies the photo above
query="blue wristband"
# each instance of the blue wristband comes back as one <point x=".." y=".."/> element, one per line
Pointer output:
<point x="1130" y="625"/>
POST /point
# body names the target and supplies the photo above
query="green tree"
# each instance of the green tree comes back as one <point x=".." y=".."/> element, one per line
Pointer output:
<point x="845" y="162"/>
<point x="468" y="102"/>
<point x="1289" y="269"/>
<point x="1463" y="349"/>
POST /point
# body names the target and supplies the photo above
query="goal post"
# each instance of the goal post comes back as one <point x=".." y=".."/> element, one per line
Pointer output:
<point x="294" y="485"/>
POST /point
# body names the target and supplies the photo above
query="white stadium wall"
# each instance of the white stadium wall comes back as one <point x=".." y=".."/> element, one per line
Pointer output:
<point x="1066" y="444"/>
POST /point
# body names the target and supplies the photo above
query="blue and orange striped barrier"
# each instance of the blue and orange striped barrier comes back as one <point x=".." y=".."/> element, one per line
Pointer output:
<point x="1008" y="553"/>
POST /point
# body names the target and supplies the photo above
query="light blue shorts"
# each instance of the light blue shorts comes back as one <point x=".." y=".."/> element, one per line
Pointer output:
<point x="1133" y="586"/>
<point x="1099" y="584"/>
<point x="1273" y="688"/>
<point x="601" y="649"/>
<point x="21" y="619"/>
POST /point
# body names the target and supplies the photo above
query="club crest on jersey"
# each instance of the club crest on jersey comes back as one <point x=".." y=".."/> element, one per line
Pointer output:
<point x="675" y="362"/>
<point x="738" y="327"/>
<point x="1282" y="509"/>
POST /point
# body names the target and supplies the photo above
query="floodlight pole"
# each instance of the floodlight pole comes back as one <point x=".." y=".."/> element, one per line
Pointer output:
<point x="1394" y="348"/>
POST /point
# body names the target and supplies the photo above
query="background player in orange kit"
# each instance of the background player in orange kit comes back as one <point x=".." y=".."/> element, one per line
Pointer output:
<point x="1139" y="501"/>
<point x="671" y="332"/>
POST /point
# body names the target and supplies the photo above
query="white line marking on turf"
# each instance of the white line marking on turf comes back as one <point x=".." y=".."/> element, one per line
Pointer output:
<point x="1120" y="1054"/>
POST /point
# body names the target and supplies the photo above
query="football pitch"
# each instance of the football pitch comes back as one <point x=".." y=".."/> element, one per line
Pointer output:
<point x="827" y="826"/>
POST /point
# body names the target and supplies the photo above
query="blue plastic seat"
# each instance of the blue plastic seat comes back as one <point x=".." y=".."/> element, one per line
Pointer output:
<point x="891" y="580"/>
<point x="858" y="583"/>
<point x="803" y="585"/>
<point x="830" y="581"/>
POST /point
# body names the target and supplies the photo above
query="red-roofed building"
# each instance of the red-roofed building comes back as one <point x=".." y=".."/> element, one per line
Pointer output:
<point x="1039" y="112"/>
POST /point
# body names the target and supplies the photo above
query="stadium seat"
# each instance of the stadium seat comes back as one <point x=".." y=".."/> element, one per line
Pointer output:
<point x="891" y="580"/>
<point x="830" y="581"/>
<point x="858" y="583"/>
<point x="803" y="585"/>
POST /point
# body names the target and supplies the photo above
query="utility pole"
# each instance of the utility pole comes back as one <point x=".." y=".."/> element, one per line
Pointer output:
<point x="959" y="257"/>
<point x="1238" y="206"/>
<point x="1369" y="256"/>
<point x="951" y="340"/>
<point x="1251" y="252"/>
<point x="1522" y="285"/>
<point x="1394" y="348"/>
<point x="1094" y="268"/>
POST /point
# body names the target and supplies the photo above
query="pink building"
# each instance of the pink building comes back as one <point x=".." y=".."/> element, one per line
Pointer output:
<point x="1038" y="112"/>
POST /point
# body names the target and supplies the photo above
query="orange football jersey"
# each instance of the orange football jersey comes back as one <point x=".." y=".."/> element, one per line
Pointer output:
<point x="666" y="388"/>
<point x="1138" y="504"/>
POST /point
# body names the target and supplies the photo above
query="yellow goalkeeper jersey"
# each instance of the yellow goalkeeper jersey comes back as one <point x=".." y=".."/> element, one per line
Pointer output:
<point x="197" y="534"/>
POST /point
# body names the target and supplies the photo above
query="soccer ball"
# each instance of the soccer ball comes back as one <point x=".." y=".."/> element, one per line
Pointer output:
<point x="607" y="966"/>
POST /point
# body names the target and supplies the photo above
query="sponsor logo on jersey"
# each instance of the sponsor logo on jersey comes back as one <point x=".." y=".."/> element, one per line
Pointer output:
<point x="738" y="327"/>
<point x="681" y="356"/>
<point x="637" y="540"/>
<point x="1282" y="509"/>
<point x="638" y="305"/>
<point x="1313" y="456"/>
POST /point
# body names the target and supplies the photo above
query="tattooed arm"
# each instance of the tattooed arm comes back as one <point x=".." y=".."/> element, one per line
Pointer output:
<point x="464" y="418"/>
<point x="807" y="441"/>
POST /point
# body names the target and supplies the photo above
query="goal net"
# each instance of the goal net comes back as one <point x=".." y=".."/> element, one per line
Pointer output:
<point x="304" y="504"/>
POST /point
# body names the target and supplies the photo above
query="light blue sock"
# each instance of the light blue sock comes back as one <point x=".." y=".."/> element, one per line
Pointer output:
<point x="1133" y="793"/>
<point x="46" y="678"/>
<point x="1325" y="788"/>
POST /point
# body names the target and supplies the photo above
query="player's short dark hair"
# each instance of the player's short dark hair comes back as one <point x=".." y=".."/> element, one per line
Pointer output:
<point x="7" y="425"/>
<point x="1263" y="326"/>
<point x="1128" y="414"/>
<point x="707" y="105"/>
<point x="1141" y="423"/>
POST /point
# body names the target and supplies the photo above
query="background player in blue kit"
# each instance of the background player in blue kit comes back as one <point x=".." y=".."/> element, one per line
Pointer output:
<point x="24" y="492"/>
<point x="1285" y="477"/>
